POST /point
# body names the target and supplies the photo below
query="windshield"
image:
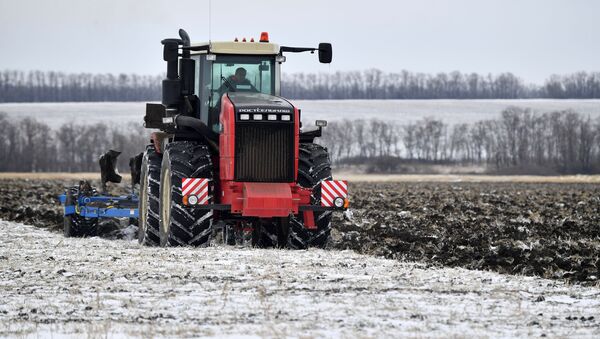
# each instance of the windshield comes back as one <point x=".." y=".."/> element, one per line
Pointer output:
<point x="232" y="73"/>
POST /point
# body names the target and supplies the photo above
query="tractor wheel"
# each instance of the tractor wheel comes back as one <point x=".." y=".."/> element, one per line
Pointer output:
<point x="179" y="225"/>
<point x="75" y="225"/>
<point x="271" y="233"/>
<point x="148" y="208"/>
<point x="237" y="234"/>
<point x="313" y="166"/>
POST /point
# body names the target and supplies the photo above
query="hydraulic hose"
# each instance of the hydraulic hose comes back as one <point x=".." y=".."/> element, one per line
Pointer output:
<point x="198" y="125"/>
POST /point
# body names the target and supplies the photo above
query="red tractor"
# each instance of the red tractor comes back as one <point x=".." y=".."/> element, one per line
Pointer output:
<point x="231" y="158"/>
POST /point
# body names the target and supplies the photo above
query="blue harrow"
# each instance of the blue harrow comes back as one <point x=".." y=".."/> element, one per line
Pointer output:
<point x="84" y="206"/>
<point x="101" y="206"/>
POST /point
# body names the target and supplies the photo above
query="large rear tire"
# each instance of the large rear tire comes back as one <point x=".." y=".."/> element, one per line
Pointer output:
<point x="180" y="225"/>
<point x="313" y="166"/>
<point x="149" y="209"/>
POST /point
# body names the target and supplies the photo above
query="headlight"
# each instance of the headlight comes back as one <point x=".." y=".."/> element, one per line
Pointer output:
<point x="338" y="202"/>
<point x="192" y="199"/>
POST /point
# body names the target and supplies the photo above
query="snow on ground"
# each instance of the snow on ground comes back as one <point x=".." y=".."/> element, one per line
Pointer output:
<point x="52" y="286"/>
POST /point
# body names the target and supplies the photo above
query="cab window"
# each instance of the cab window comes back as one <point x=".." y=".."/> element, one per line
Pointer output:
<point x="241" y="74"/>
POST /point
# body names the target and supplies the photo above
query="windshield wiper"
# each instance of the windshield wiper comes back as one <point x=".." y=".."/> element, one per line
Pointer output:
<point x="228" y="83"/>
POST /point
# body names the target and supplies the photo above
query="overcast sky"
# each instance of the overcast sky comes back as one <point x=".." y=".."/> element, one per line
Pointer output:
<point x="531" y="38"/>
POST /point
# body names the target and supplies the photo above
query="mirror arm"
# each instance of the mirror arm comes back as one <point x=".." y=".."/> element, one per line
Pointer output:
<point x="195" y="48"/>
<point x="297" y="49"/>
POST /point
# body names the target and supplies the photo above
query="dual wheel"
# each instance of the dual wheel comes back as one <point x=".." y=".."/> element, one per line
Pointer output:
<point x="164" y="221"/>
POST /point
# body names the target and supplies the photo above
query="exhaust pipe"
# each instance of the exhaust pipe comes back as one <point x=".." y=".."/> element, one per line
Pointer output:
<point x="185" y="39"/>
<point x="180" y="72"/>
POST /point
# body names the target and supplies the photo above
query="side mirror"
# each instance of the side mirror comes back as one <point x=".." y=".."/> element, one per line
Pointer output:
<point x="325" y="53"/>
<point x="321" y="123"/>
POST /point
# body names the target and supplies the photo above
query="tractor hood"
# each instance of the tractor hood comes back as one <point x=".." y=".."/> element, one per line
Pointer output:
<point x="257" y="103"/>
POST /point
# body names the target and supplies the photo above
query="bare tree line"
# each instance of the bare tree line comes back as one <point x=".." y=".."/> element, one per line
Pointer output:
<point x="28" y="145"/>
<point x="38" y="86"/>
<point x="375" y="84"/>
<point x="520" y="140"/>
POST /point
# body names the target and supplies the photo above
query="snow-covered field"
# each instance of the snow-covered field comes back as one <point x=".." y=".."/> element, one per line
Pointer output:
<point x="52" y="286"/>
<point x="402" y="111"/>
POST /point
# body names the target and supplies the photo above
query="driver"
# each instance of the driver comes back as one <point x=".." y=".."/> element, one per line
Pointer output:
<point x="238" y="81"/>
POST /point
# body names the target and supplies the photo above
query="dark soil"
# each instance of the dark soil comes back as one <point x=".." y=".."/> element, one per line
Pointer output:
<point x="549" y="230"/>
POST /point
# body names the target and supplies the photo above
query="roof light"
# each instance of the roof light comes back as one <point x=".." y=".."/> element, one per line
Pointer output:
<point x="264" y="37"/>
<point x="244" y="40"/>
<point x="244" y="116"/>
<point x="257" y="117"/>
<point x="285" y="117"/>
<point x="235" y="40"/>
<point x="272" y="117"/>
<point x="251" y="39"/>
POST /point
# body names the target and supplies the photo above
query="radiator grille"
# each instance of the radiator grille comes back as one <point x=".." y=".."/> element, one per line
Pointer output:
<point x="264" y="152"/>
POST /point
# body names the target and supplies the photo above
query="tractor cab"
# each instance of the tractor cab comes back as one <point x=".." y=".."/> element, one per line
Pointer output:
<point x="198" y="76"/>
<point x="228" y="67"/>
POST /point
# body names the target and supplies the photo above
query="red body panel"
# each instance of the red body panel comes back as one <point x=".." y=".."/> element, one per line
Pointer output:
<point x="296" y="141"/>
<point x="266" y="199"/>
<point x="227" y="139"/>
<point x="263" y="200"/>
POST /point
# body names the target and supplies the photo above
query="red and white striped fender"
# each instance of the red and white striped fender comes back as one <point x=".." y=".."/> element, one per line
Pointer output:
<point x="332" y="189"/>
<point x="197" y="187"/>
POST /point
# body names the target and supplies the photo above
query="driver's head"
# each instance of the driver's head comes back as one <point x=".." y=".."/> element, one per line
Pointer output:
<point x="240" y="74"/>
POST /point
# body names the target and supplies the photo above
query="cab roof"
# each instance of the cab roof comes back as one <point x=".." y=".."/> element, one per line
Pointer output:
<point x="232" y="47"/>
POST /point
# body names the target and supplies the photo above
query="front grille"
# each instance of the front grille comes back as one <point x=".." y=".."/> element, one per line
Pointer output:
<point x="264" y="152"/>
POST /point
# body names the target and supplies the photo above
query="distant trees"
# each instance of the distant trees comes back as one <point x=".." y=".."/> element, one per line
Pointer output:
<point x="37" y="86"/>
<point x="375" y="84"/>
<point x="519" y="141"/>
<point x="31" y="146"/>
<point x="580" y="85"/>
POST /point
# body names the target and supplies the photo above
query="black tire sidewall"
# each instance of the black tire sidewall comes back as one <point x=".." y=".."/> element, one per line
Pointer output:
<point x="313" y="166"/>
<point x="166" y="163"/>
<point x="185" y="226"/>
<point x="148" y="233"/>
